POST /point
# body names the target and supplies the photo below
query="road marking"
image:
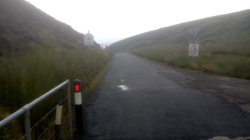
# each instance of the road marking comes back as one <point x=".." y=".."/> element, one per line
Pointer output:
<point x="123" y="87"/>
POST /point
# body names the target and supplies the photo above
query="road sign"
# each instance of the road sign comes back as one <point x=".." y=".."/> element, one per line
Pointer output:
<point x="193" y="40"/>
<point x="193" y="50"/>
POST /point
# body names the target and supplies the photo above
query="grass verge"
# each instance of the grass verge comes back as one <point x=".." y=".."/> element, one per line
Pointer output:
<point x="26" y="76"/>
<point x="224" y="62"/>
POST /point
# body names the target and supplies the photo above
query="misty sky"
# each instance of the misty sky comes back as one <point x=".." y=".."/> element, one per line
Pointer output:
<point x="112" y="20"/>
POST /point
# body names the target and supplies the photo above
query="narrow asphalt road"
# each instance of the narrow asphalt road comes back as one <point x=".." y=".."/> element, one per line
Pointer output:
<point x="142" y="100"/>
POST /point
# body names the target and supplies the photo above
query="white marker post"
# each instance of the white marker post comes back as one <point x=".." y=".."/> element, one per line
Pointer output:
<point x="58" y="119"/>
<point x="78" y="105"/>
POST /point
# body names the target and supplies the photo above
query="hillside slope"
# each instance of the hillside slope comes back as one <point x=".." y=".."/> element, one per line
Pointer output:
<point x="37" y="53"/>
<point x="231" y="30"/>
<point x="24" y="27"/>
<point x="42" y="49"/>
<point x="224" y="45"/>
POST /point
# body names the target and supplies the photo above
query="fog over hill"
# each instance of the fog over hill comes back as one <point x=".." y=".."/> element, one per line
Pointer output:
<point x="24" y="27"/>
<point x="230" y="30"/>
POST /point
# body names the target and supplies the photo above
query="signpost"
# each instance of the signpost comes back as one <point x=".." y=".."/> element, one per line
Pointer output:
<point x="193" y="49"/>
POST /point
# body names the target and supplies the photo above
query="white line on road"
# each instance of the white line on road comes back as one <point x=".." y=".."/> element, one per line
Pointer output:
<point x="123" y="87"/>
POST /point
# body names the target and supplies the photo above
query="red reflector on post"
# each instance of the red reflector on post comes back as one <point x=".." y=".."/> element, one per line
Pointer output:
<point x="77" y="88"/>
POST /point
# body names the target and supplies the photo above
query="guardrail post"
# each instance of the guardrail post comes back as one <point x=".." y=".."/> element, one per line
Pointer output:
<point x="27" y="125"/>
<point x="25" y="111"/>
<point x="78" y="105"/>
<point x="59" y="110"/>
<point x="70" y="112"/>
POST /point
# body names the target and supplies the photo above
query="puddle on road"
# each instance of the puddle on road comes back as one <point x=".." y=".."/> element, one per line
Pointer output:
<point x="123" y="87"/>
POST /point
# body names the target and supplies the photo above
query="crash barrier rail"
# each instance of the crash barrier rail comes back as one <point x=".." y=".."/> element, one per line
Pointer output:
<point x="63" y="117"/>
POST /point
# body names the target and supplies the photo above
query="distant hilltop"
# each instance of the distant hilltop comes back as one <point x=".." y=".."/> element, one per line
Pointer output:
<point x="231" y="30"/>
<point x="24" y="27"/>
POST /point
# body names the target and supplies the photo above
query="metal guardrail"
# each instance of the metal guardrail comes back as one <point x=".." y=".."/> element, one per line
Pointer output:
<point x="25" y="110"/>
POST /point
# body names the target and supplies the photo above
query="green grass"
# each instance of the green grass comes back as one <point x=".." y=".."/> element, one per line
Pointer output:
<point x="224" y="45"/>
<point x="26" y="76"/>
<point x="37" y="53"/>
<point x="5" y="133"/>
<point x="230" y="62"/>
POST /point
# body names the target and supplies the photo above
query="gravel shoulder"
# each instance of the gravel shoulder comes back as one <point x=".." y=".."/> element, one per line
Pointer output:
<point x="233" y="90"/>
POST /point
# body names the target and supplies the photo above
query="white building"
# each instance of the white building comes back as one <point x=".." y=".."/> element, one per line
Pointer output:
<point x="89" y="40"/>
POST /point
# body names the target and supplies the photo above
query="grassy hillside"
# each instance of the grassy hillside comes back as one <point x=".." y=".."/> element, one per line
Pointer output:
<point x="224" y="45"/>
<point x="37" y="53"/>
<point x="24" y="27"/>
<point x="26" y="76"/>
<point x="36" y="47"/>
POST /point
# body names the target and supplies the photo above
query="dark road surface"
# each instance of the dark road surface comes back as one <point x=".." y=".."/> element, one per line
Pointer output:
<point x="141" y="100"/>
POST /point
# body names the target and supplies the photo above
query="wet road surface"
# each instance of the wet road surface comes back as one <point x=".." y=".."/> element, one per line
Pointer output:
<point x="142" y="100"/>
